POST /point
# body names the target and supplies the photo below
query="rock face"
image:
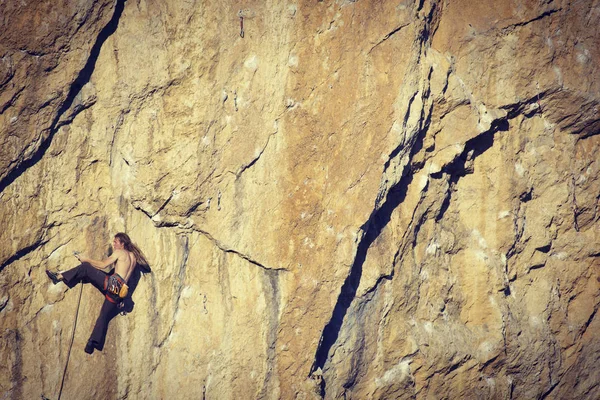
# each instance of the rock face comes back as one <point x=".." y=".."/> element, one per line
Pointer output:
<point x="350" y="200"/>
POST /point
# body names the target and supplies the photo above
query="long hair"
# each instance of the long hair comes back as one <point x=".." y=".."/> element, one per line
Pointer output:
<point x="130" y="246"/>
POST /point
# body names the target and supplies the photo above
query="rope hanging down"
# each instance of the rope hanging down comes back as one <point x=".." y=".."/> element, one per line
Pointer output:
<point x="71" y="344"/>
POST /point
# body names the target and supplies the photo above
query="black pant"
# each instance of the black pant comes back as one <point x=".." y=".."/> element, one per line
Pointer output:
<point x="86" y="273"/>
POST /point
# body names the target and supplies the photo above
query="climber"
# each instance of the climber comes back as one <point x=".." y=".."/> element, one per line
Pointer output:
<point x="125" y="257"/>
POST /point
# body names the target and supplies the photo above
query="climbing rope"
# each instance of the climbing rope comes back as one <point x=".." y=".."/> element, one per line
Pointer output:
<point x="71" y="344"/>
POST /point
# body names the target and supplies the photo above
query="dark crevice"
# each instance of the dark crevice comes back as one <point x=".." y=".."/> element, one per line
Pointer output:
<point x="386" y="37"/>
<point x="454" y="367"/>
<point x="543" y="15"/>
<point x="372" y="229"/>
<point x="12" y="100"/>
<point x="544" y="249"/>
<point x="243" y="168"/>
<point x="193" y="208"/>
<point x="591" y="128"/>
<point x="461" y="165"/>
<point x="382" y="278"/>
<point x="588" y="322"/>
<point x="165" y="224"/>
<point x="251" y="261"/>
<point x="164" y="204"/>
<point x="375" y="224"/>
<point x="224" y="249"/>
<point x="401" y="146"/>
<point x="536" y="266"/>
<point x="430" y="27"/>
<point x="82" y="78"/>
<point x="474" y="147"/>
<point x="445" y="204"/>
<point x="21" y="253"/>
<point x="526" y="196"/>
<point x="544" y="395"/>
<point x="140" y="208"/>
<point x="216" y="242"/>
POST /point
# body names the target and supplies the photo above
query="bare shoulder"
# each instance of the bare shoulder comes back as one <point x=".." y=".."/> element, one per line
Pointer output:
<point x="120" y="253"/>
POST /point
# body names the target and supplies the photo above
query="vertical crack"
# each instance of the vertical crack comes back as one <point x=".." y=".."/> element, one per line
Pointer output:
<point x="82" y="78"/>
<point x="179" y="287"/>
<point x="273" y="294"/>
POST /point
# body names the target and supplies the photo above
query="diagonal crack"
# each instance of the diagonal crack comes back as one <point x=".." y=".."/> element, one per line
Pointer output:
<point x="381" y="215"/>
<point x="462" y="164"/>
<point x="164" y="204"/>
<point x="220" y="245"/>
<point x="22" y="253"/>
<point x="255" y="159"/>
<point x="227" y="249"/>
<point x="378" y="219"/>
<point x="386" y="37"/>
<point x="519" y="24"/>
<point x="589" y="321"/>
<point x="82" y="78"/>
<point x="12" y="100"/>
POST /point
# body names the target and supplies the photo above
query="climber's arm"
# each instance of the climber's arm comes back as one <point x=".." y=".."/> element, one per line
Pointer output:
<point x="100" y="264"/>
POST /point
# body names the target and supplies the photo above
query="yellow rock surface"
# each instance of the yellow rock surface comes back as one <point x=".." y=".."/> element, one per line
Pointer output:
<point x="351" y="200"/>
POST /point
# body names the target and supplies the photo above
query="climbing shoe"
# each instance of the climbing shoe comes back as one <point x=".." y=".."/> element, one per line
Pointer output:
<point x="90" y="347"/>
<point x="53" y="277"/>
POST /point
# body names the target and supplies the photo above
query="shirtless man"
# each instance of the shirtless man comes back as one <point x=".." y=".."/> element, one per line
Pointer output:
<point x="125" y="257"/>
<point x="124" y="260"/>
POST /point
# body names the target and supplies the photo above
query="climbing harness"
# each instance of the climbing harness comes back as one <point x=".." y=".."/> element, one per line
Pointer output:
<point x="116" y="288"/>
<point x="62" y="382"/>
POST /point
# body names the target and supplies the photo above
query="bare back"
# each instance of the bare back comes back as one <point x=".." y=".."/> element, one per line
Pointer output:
<point x="125" y="263"/>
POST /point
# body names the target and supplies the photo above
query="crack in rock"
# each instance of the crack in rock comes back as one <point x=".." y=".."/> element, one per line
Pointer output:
<point x="541" y="16"/>
<point x="386" y="37"/>
<point x="12" y="100"/>
<point x="227" y="249"/>
<point x="220" y="245"/>
<point x="474" y="147"/>
<point x="22" y="253"/>
<point x="377" y="221"/>
<point x="178" y="289"/>
<point x="395" y="195"/>
<point x="82" y="79"/>
<point x="243" y="168"/>
<point x="272" y="290"/>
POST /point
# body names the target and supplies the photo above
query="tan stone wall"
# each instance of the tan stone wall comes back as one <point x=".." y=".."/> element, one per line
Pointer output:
<point x="400" y="196"/>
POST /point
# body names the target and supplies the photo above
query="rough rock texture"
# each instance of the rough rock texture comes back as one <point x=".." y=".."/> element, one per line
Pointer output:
<point x="356" y="199"/>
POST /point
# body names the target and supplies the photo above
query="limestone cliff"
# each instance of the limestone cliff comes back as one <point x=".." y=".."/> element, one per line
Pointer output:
<point x="339" y="199"/>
